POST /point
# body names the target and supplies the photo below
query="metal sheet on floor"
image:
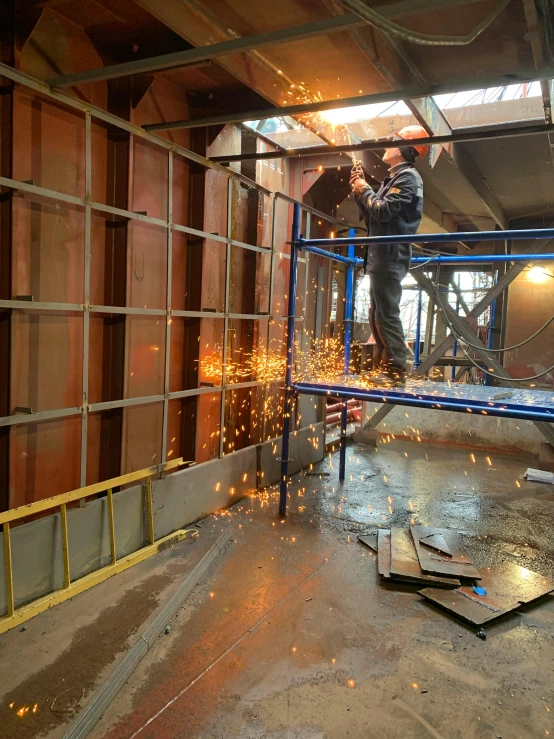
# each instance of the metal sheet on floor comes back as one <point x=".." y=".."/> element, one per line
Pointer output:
<point x="405" y="565"/>
<point x="507" y="586"/>
<point x="433" y="563"/>
<point x="370" y="540"/>
<point x="437" y="543"/>
<point x="383" y="553"/>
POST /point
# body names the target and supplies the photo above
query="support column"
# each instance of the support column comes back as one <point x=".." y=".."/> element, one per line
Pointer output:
<point x="7" y="56"/>
<point x="193" y="290"/>
<point x="287" y="406"/>
<point x="115" y="280"/>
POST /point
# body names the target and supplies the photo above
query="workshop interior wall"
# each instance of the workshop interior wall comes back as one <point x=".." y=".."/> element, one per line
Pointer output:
<point x="129" y="270"/>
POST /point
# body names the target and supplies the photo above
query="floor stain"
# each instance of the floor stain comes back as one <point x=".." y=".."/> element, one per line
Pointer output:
<point x="53" y="695"/>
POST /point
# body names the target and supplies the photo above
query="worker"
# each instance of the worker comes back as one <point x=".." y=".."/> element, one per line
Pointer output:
<point x="396" y="208"/>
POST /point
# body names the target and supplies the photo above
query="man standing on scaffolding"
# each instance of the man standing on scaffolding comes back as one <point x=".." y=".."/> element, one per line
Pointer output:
<point x="395" y="209"/>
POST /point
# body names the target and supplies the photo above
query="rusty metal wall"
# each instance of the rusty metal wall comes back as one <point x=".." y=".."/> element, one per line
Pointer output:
<point x="140" y="274"/>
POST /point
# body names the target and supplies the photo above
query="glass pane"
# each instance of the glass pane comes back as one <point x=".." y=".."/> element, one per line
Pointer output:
<point x="48" y="250"/>
<point x="145" y="356"/>
<point x="45" y="460"/>
<point x="147" y="265"/>
<point x="47" y="356"/>
<point x="142" y="437"/>
<point x="50" y="144"/>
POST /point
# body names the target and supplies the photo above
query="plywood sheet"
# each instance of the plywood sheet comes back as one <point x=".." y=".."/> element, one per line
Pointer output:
<point x="404" y="563"/>
<point x="507" y="586"/>
<point x="433" y="563"/>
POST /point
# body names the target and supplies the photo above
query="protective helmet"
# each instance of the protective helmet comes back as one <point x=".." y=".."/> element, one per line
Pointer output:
<point x="415" y="132"/>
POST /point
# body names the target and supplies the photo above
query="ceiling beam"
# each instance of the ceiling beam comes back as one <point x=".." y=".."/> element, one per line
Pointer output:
<point x="468" y="170"/>
<point x="507" y="78"/>
<point x="204" y="53"/>
<point x="490" y="132"/>
<point x="387" y="54"/>
<point x="535" y="36"/>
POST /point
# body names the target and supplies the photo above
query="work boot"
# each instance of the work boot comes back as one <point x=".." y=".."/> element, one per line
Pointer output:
<point x="388" y="377"/>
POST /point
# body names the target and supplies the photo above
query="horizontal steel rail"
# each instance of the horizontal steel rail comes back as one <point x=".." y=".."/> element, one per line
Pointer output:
<point x="434" y="402"/>
<point x="440" y="238"/>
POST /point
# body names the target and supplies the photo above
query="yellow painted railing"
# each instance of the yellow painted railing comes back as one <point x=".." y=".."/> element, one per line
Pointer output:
<point x="16" y="616"/>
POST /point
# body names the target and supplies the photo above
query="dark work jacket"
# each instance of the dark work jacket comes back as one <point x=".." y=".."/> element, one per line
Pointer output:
<point x="395" y="209"/>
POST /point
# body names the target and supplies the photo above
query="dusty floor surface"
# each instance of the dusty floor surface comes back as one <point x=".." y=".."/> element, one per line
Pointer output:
<point x="291" y="635"/>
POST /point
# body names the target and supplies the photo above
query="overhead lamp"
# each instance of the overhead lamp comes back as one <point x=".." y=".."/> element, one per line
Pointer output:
<point x="538" y="275"/>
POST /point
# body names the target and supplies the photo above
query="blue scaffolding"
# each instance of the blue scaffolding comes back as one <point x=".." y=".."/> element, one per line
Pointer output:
<point x="532" y="405"/>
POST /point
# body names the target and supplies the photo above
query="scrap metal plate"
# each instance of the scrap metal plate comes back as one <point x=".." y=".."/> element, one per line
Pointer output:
<point x="383" y="553"/>
<point x="433" y="563"/>
<point x="370" y="540"/>
<point x="507" y="586"/>
<point x="437" y="543"/>
<point x="404" y="563"/>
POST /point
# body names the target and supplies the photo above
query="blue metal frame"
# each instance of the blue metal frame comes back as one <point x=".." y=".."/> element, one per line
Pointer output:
<point x="348" y="319"/>
<point x="396" y="397"/>
<point x="289" y="391"/>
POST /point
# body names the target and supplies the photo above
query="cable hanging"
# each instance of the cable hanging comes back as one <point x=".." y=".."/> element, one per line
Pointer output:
<point x="461" y="341"/>
<point x="363" y="11"/>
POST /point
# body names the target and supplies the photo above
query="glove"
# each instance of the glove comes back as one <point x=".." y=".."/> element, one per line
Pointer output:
<point x="359" y="186"/>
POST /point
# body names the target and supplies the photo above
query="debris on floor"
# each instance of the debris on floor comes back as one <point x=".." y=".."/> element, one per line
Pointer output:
<point x="423" y="555"/>
<point x="456" y="564"/>
<point x="404" y="564"/>
<point x="506" y="586"/>
<point x="370" y="540"/>
<point x="533" y="475"/>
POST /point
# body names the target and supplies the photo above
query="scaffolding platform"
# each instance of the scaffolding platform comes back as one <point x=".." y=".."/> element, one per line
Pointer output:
<point x="504" y="401"/>
<point x="520" y="403"/>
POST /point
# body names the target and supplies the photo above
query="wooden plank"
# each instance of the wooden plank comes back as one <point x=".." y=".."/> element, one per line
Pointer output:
<point x="404" y="563"/>
<point x="433" y="563"/>
<point x="383" y="553"/>
<point x="507" y="586"/>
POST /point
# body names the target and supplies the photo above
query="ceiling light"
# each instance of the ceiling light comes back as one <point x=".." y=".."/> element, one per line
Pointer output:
<point x="538" y="275"/>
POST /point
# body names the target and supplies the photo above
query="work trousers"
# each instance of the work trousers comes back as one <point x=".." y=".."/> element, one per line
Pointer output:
<point x="386" y="326"/>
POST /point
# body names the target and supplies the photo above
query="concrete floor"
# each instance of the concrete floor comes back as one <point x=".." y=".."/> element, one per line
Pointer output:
<point x="291" y="635"/>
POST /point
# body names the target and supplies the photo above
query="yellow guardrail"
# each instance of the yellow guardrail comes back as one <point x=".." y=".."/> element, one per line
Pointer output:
<point x="16" y="616"/>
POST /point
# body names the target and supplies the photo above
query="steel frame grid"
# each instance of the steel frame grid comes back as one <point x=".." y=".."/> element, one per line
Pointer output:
<point x="86" y="309"/>
<point x="543" y="417"/>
